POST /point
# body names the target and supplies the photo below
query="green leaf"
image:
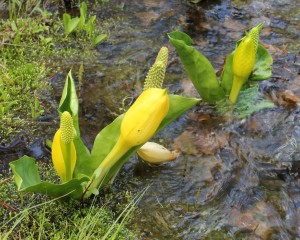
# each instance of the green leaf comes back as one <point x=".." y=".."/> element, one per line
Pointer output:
<point x="69" y="102"/>
<point x="99" y="38"/>
<point x="227" y="74"/>
<point x="108" y="137"/>
<point x="70" y="23"/>
<point x="90" y="26"/>
<point x="197" y="66"/>
<point x="263" y="65"/>
<point x="28" y="180"/>
<point x="249" y="102"/>
<point x="25" y="172"/>
<point x="83" y="13"/>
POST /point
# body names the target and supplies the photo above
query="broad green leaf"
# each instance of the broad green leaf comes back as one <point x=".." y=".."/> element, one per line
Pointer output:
<point x="263" y="65"/>
<point x="197" y="66"/>
<point x="99" y="38"/>
<point x="107" y="138"/>
<point x="70" y="23"/>
<point x="28" y="180"/>
<point x="25" y="172"/>
<point x="66" y="20"/>
<point x="69" y="101"/>
<point x="227" y="74"/>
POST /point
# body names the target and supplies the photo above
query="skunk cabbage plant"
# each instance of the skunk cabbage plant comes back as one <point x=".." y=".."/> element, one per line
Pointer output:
<point x="249" y="61"/>
<point x="83" y="172"/>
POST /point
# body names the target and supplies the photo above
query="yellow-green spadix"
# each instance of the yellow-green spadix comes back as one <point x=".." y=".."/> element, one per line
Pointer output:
<point x="139" y="124"/>
<point x="244" y="61"/>
<point x="63" y="148"/>
<point x="155" y="153"/>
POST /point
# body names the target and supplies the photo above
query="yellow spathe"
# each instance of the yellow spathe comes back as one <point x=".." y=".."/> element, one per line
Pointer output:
<point x="243" y="61"/>
<point x="63" y="149"/>
<point x="143" y="118"/>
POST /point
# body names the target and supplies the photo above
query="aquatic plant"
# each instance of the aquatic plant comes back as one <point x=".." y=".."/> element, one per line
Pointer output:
<point x="249" y="61"/>
<point x="243" y="61"/>
<point x="153" y="110"/>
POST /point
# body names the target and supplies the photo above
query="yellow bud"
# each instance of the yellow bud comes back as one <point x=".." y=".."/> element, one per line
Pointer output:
<point x="155" y="153"/>
<point x="67" y="128"/>
<point x="244" y="58"/>
<point x="143" y="118"/>
<point x="156" y="74"/>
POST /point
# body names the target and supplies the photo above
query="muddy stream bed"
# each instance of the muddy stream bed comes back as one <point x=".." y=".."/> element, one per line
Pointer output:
<point x="234" y="178"/>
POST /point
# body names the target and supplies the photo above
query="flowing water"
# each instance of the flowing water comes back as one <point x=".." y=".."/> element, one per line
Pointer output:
<point x="234" y="179"/>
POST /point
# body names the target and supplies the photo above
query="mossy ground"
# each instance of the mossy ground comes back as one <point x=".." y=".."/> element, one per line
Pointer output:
<point x="32" y="47"/>
<point x="38" y="217"/>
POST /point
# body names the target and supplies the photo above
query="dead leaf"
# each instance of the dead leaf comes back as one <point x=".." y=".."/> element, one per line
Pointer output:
<point x="211" y="142"/>
<point x="186" y="143"/>
<point x="287" y="98"/>
<point x="203" y="141"/>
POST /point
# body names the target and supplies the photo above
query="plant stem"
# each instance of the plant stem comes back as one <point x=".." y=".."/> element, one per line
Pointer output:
<point x="120" y="148"/>
<point x="236" y="88"/>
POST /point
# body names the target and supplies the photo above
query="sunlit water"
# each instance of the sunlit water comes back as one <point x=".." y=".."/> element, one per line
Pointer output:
<point x="235" y="179"/>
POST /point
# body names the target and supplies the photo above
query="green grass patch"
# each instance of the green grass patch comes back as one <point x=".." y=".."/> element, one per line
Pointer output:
<point x="38" y="217"/>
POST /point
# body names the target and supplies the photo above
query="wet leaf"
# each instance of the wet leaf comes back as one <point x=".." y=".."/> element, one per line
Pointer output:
<point x="197" y="66"/>
<point x="28" y="180"/>
<point x="249" y="102"/>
